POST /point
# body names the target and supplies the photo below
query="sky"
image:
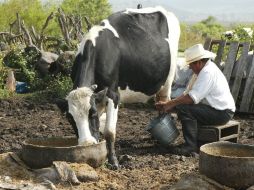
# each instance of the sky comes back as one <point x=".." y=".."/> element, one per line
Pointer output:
<point x="227" y="11"/>
<point x="196" y="10"/>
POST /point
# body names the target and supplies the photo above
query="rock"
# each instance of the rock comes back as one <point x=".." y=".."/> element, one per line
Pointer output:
<point x="66" y="173"/>
<point x="7" y="179"/>
<point x="59" y="172"/>
<point x="125" y="158"/>
<point x="26" y="186"/>
<point x="43" y="64"/>
<point x="251" y="188"/>
<point x="84" y="172"/>
<point x="47" y="174"/>
<point x="200" y="182"/>
<point x="113" y="186"/>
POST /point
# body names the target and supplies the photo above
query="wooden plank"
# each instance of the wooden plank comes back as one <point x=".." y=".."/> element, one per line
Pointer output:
<point x="231" y="57"/>
<point x="248" y="90"/>
<point x="207" y="44"/>
<point x="220" y="51"/>
<point x="229" y="137"/>
<point x="240" y="70"/>
<point x="228" y="124"/>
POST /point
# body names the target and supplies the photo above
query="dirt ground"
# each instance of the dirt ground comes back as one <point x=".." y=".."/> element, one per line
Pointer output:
<point x="145" y="164"/>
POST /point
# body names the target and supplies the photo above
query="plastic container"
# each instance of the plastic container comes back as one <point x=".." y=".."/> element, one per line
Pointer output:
<point x="21" y="87"/>
<point x="163" y="129"/>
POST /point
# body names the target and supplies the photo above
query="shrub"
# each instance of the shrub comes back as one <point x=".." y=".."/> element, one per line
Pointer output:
<point x="60" y="86"/>
<point x="22" y="63"/>
<point x="3" y="71"/>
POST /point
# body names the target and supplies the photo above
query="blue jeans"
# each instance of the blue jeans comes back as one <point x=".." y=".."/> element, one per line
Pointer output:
<point x="203" y="114"/>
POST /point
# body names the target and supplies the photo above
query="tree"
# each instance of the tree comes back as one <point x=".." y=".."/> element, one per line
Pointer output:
<point x="94" y="10"/>
<point x="208" y="27"/>
<point x="31" y="11"/>
<point x="210" y="21"/>
<point x="188" y="37"/>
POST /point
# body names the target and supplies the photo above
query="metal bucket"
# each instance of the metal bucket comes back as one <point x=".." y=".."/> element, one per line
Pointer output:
<point x="163" y="129"/>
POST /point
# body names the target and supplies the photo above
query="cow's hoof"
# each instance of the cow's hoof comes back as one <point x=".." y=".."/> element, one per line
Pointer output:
<point x="113" y="163"/>
<point x="113" y="166"/>
<point x="87" y="142"/>
<point x="116" y="167"/>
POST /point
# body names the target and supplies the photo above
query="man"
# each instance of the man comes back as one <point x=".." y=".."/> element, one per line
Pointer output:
<point x="208" y="102"/>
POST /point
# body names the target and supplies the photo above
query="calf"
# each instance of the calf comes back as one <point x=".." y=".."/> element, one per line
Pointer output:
<point x="136" y="48"/>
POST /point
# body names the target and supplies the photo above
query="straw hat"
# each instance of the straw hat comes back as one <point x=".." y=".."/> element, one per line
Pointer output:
<point x="197" y="52"/>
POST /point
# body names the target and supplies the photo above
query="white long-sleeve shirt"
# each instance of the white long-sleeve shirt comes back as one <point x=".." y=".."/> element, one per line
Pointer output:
<point x="212" y="86"/>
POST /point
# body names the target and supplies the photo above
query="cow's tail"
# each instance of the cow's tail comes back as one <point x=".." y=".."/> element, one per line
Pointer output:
<point x="173" y="40"/>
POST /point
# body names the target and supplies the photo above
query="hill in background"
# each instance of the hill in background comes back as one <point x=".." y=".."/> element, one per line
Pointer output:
<point x="225" y="11"/>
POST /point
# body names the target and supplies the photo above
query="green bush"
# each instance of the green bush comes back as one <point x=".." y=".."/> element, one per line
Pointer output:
<point x="4" y="93"/>
<point x="22" y="63"/>
<point x="188" y="37"/>
<point x="60" y="86"/>
<point x="3" y="71"/>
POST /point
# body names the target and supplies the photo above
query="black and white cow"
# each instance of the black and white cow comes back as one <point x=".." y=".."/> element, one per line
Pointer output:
<point x="136" y="48"/>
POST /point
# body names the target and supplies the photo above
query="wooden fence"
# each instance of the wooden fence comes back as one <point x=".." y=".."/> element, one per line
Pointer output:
<point x="241" y="85"/>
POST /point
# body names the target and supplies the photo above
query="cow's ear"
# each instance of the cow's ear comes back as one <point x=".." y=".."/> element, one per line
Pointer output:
<point x="101" y="96"/>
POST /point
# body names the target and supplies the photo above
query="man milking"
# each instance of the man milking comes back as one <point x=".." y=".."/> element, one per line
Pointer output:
<point x="208" y="102"/>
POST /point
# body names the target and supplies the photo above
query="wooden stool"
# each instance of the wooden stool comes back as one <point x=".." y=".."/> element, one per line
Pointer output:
<point x="212" y="133"/>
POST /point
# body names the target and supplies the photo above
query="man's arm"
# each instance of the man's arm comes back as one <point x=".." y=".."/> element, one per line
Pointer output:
<point x="171" y="104"/>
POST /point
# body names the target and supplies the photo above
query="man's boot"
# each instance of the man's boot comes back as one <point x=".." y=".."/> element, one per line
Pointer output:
<point x="190" y="133"/>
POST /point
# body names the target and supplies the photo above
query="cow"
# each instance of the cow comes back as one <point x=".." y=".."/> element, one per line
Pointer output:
<point x="134" y="49"/>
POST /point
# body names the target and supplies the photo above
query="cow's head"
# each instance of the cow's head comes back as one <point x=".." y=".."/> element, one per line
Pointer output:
<point x="86" y="106"/>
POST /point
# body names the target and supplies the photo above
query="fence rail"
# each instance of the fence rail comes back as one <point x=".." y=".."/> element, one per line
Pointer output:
<point x="241" y="84"/>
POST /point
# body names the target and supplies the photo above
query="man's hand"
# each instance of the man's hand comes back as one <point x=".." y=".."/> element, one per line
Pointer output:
<point x="168" y="106"/>
<point x="165" y="107"/>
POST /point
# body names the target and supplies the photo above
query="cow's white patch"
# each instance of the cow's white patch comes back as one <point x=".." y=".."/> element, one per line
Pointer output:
<point x="94" y="33"/>
<point x="79" y="105"/>
<point x="173" y="40"/>
<point x="111" y="119"/>
<point x="110" y="27"/>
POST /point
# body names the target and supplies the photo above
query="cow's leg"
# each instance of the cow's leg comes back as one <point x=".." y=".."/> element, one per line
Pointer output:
<point x="110" y="132"/>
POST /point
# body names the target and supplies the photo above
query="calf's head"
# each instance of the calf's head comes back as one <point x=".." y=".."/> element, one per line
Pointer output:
<point x="85" y="106"/>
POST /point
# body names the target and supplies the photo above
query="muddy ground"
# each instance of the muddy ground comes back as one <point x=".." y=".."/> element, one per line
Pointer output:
<point x="145" y="164"/>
